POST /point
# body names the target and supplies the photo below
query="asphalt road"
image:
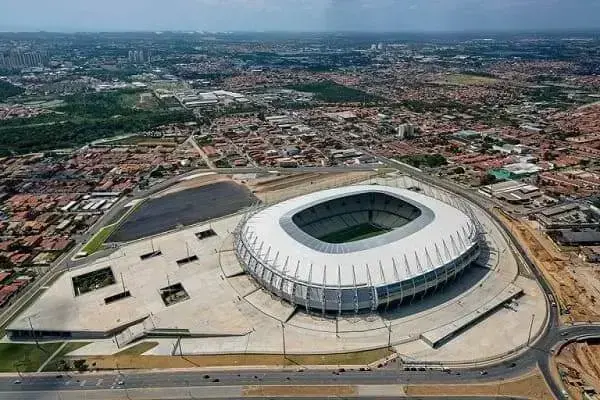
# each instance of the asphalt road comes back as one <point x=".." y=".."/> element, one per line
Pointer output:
<point x="539" y="352"/>
<point x="386" y="376"/>
<point x="393" y="373"/>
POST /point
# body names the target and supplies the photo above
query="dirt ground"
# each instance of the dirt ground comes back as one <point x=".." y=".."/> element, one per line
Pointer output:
<point x="576" y="283"/>
<point x="302" y="391"/>
<point x="579" y="365"/>
<point x="531" y="387"/>
<point x="201" y="180"/>
<point x="134" y="361"/>
<point x="277" y="188"/>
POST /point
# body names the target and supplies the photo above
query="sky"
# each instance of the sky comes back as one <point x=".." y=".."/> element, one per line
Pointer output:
<point x="298" y="15"/>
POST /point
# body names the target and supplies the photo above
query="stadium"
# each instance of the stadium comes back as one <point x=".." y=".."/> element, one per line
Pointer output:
<point x="357" y="248"/>
<point x="242" y="283"/>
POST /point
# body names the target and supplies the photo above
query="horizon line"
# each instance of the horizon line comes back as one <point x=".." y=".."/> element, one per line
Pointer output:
<point x="276" y="31"/>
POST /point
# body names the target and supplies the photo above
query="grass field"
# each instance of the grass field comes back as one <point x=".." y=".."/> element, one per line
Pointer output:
<point x="137" y="349"/>
<point x="332" y="92"/>
<point x="137" y="361"/>
<point x="354" y="233"/>
<point x="86" y="117"/>
<point x="144" y="140"/>
<point x="54" y="365"/>
<point x="354" y="358"/>
<point x="24" y="357"/>
<point x="98" y="239"/>
<point x="96" y="242"/>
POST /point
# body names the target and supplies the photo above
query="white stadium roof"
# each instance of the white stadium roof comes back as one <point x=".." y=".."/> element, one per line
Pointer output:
<point x="441" y="234"/>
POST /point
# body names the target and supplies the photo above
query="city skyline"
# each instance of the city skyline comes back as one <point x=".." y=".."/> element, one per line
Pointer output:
<point x="300" y="15"/>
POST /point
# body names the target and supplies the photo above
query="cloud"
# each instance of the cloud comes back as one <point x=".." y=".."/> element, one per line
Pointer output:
<point x="300" y="15"/>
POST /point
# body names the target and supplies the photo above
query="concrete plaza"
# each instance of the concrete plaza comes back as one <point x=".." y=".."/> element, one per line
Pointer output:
<point x="483" y="313"/>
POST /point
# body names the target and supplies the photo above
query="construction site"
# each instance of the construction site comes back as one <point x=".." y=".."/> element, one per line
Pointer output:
<point x="281" y="187"/>
<point x="575" y="283"/>
<point x="579" y="367"/>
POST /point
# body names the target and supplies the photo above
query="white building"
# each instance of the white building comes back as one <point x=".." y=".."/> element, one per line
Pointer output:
<point x="405" y="131"/>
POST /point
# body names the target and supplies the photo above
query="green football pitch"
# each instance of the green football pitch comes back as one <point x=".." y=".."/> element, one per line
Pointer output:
<point x="354" y="233"/>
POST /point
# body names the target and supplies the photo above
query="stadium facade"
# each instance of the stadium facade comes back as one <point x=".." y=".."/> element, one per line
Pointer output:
<point x="357" y="248"/>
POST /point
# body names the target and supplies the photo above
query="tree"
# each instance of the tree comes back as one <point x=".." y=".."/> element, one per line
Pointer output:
<point x="487" y="179"/>
<point x="5" y="263"/>
<point x="428" y="160"/>
<point x="7" y="90"/>
<point x="80" y="365"/>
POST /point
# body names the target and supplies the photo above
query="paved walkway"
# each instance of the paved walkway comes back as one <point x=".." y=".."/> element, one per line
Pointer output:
<point x="41" y="368"/>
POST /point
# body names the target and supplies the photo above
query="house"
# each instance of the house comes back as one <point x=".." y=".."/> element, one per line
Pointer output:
<point x="55" y="244"/>
<point x="575" y="238"/>
<point x="31" y="241"/>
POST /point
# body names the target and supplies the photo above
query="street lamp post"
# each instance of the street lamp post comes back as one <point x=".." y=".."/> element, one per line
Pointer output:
<point x="283" y="337"/>
<point x="18" y="370"/>
<point x="530" y="329"/>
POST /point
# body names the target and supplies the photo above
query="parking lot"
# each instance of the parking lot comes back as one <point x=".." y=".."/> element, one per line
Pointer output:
<point x="184" y="207"/>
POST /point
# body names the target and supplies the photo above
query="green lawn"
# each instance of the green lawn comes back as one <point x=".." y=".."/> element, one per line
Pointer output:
<point x="54" y="365"/>
<point x="138" y="349"/>
<point x="98" y="239"/>
<point x="331" y="92"/>
<point x="353" y="233"/>
<point x="24" y="357"/>
<point x="423" y="160"/>
<point x="354" y="358"/>
<point x="96" y="242"/>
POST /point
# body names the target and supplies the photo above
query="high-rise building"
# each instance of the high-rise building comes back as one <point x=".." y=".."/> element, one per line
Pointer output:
<point x="19" y="59"/>
<point x="405" y="131"/>
<point x="138" y="56"/>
